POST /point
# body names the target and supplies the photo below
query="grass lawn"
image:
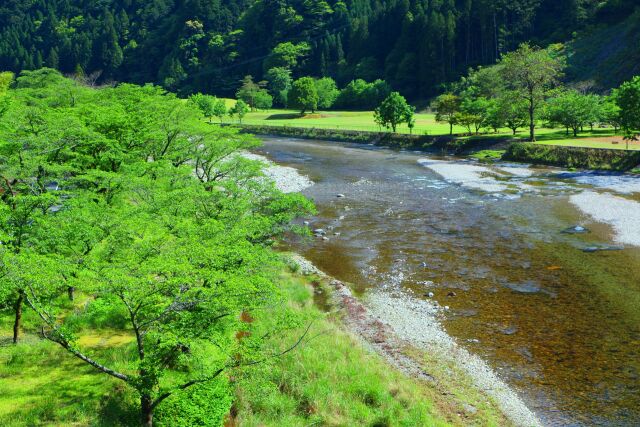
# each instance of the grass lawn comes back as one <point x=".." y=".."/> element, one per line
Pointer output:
<point x="427" y="125"/>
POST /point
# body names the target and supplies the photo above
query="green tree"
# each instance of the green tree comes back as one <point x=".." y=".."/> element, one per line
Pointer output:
<point x="263" y="100"/>
<point x="474" y="113"/>
<point x="240" y="109"/>
<point x="610" y="113"/>
<point x="286" y="55"/>
<point x="204" y="103"/>
<point x="253" y="93"/>
<point x="571" y="109"/>
<point x="280" y="81"/>
<point x="219" y="108"/>
<point x="627" y="98"/>
<point x="327" y="92"/>
<point x="446" y="106"/>
<point x="393" y="111"/>
<point x="88" y="205"/>
<point x="512" y="112"/>
<point x="6" y="78"/>
<point x="304" y="95"/>
<point x="530" y="74"/>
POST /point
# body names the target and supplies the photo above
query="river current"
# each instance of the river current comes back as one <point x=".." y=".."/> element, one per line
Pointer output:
<point x="540" y="267"/>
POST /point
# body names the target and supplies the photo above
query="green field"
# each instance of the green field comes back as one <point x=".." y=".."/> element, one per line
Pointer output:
<point x="427" y="125"/>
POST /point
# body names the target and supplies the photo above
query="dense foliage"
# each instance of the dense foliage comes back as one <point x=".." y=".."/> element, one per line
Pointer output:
<point x="208" y="46"/>
<point x="125" y="200"/>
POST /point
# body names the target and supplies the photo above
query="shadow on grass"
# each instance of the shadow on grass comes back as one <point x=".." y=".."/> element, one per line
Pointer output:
<point x="284" y="116"/>
<point x="42" y="384"/>
<point x="562" y="134"/>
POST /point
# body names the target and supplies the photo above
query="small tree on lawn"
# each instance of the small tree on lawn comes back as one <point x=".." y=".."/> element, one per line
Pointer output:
<point x="253" y="93"/>
<point x="240" y="109"/>
<point x="204" y="104"/>
<point x="570" y="109"/>
<point x="327" y="92"/>
<point x="474" y="113"/>
<point x="304" y="95"/>
<point x="627" y="98"/>
<point x="393" y="111"/>
<point x="610" y="113"/>
<point x="219" y="108"/>
<point x="446" y="106"/>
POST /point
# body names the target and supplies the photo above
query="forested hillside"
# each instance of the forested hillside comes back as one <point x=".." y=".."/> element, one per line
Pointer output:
<point x="207" y="46"/>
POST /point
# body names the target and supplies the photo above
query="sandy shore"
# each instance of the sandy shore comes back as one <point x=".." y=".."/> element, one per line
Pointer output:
<point x="286" y="179"/>
<point x="623" y="215"/>
<point x="416" y="321"/>
<point x="479" y="177"/>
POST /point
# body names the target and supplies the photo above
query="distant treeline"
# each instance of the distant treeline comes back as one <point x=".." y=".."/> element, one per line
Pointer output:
<point x="208" y="46"/>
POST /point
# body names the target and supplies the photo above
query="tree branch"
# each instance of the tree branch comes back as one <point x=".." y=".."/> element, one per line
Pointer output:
<point x="63" y="341"/>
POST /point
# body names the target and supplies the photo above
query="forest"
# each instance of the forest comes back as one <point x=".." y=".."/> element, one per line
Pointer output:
<point x="416" y="46"/>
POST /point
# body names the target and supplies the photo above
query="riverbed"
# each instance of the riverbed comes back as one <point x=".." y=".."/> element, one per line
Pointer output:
<point x="535" y="270"/>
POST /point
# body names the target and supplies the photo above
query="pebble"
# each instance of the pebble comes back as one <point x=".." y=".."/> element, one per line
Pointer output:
<point x="451" y="294"/>
<point x="306" y="223"/>
<point x="430" y="294"/>
<point x="340" y="195"/>
<point x="320" y="231"/>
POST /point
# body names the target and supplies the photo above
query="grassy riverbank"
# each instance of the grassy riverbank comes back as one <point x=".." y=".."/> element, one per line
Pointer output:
<point x="426" y="125"/>
<point x="329" y="379"/>
<point x="567" y="153"/>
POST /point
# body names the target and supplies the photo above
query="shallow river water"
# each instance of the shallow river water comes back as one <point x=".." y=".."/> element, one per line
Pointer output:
<point x="555" y="315"/>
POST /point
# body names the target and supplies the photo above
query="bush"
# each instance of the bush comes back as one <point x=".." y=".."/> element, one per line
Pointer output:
<point x="573" y="157"/>
<point x="201" y="405"/>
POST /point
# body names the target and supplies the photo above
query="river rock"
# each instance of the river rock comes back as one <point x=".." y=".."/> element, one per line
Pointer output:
<point x="339" y="196"/>
<point x="319" y="231"/>
<point x="576" y="229"/>
<point x="451" y="294"/>
<point x="509" y="330"/>
<point x="598" y="248"/>
<point x="429" y="294"/>
<point x="469" y="409"/>
<point x="306" y="223"/>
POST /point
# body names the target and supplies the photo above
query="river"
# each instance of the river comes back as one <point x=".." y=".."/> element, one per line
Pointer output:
<point x="553" y="309"/>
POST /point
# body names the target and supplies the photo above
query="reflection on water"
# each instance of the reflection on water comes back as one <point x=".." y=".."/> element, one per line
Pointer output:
<point x="559" y="323"/>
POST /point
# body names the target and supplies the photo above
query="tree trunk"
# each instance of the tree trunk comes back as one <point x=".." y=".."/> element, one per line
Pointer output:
<point x="532" y="124"/>
<point x="18" y="318"/>
<point x="575" y="132"/>
<point x="450" y="128"/>
<point x="514" y="131"/>
<point x="71" y="292"/>
<point x="146" y="411"/>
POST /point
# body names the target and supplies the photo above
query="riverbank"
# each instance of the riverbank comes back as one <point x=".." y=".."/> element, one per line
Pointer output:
<point x="407" y="333"/>
<point x="496" y="148"/>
